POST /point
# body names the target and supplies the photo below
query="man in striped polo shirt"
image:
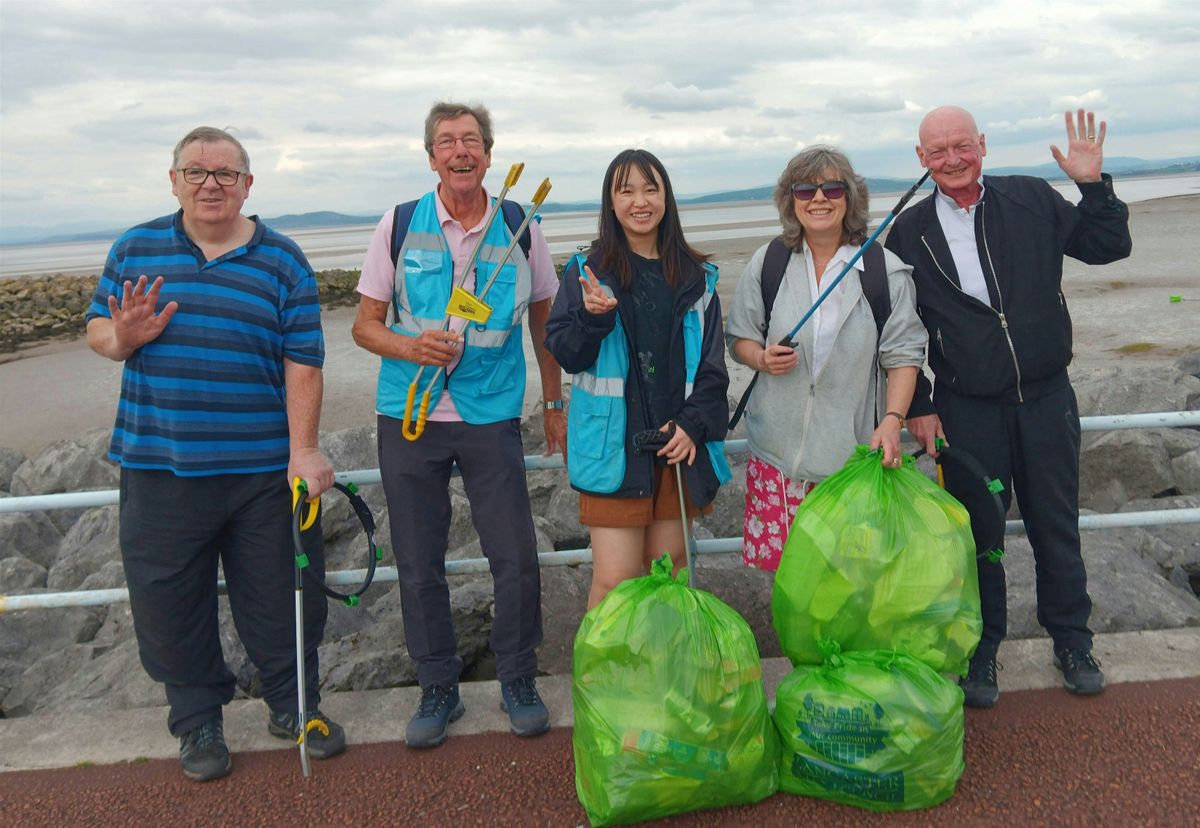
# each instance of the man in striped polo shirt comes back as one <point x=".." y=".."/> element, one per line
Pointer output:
<point x="217" y="320"/>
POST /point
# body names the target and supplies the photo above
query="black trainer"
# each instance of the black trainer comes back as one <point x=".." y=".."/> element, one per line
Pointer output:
<point x="1081" y="671"/>
<point x="203" y="754"/>
<point x="326" y="737"/>
<point x="440" y="705"/>
<point x="979" y="684"/>
<point x="526" y="711"/>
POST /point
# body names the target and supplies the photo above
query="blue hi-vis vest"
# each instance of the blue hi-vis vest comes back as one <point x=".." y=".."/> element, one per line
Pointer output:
<point x="489" y="381"/>
<point x="596" y="451"/>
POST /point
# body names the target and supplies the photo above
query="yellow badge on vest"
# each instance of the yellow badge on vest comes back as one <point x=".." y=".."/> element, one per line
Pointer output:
<point x="466" y="305"/>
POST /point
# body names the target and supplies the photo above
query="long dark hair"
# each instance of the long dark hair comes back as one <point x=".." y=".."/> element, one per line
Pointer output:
<point x="612" y="248"/>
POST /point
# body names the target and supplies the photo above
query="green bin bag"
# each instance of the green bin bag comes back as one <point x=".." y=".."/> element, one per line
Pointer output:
<point x="877" y="729"/>
<point x="670" y="711"/>
<point x="879" y="559"/>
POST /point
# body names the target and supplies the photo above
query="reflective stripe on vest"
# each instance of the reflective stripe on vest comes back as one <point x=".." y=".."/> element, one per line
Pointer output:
<point x="489" y="381"/>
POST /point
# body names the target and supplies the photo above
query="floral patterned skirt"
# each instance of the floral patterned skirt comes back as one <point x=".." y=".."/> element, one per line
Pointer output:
<point x="771" y="501"/>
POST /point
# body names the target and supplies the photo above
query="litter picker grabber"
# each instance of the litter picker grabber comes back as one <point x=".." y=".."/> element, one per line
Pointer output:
<point x="788" y="340"/>
<point x="466" y="306"/>
<point x="652" y="440"/>
<point x="981" y="499"/>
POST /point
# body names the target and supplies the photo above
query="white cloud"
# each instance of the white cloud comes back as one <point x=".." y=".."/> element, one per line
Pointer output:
<point x="330" y="98"/>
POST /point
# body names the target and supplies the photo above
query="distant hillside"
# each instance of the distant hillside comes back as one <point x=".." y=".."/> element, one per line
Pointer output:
<point x="1120" y="166"/>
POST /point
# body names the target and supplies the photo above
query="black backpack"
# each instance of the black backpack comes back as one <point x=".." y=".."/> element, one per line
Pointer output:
<point x="873" y="279"/>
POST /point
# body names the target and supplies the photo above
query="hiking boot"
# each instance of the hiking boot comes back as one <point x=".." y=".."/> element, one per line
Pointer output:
<point x="520" y="700"/>
<point x="979" y="684"/>
<point x="325" y="738"/>
<point x="203" y="754"/>
<point x="1081" y="671"/>
<point x="440" y="705"/>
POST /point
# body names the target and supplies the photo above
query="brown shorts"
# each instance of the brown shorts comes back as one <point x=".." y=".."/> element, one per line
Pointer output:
<point x="623" y="512"/>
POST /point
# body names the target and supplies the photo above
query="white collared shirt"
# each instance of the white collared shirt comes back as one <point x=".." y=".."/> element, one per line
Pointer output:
<point x="825" y="317"/>
<point x="958" y="225"/>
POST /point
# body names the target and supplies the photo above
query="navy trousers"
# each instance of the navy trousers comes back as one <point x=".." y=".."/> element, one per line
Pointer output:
<point x="174" y="531"/>
<point x="1033" y="448"/>
<point x="416" y="476"/>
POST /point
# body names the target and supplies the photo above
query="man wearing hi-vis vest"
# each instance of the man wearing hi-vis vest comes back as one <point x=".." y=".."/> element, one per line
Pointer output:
<point x="477" y="371"/>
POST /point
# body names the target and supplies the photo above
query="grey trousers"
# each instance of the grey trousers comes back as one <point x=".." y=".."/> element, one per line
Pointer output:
<point x="416" y="476"/>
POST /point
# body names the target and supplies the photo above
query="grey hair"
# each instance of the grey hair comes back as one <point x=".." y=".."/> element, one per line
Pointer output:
<point x="812" y="165"/>
<point x="448" y="110"/>
<point x="210" y="135"/>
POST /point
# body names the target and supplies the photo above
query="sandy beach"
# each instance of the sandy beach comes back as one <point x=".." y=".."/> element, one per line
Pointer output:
<point x="1122" y="313"/>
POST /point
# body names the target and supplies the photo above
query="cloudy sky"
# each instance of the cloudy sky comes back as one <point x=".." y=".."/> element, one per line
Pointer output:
<point x="329" y="97"/>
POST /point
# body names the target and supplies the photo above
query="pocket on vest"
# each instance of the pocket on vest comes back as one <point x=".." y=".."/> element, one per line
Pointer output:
<point x="595" y="443"/>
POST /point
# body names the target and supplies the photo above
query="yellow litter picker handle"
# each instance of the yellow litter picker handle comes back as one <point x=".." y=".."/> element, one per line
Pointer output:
<point x="299" y="488"/>
<point x="418" y="428"/>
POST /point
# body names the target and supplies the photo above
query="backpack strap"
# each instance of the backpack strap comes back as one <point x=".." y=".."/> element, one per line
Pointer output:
<point x="775" y="262"/>
<point x="875" y="286"/>
<point x="514" y="214"/>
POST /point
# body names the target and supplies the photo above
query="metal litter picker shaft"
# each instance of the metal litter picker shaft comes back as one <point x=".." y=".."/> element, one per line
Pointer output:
<point x="788" y="340"/>
<point x="418" y="427"/>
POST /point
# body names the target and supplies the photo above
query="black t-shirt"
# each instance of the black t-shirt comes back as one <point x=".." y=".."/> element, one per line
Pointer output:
<point x="653" y="308"/>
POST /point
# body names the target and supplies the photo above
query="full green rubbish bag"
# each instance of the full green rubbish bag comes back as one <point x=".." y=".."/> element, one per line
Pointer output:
<point x="876" y="729"/>
<point x="670" y="711"/>
<point x="879" y="559"/>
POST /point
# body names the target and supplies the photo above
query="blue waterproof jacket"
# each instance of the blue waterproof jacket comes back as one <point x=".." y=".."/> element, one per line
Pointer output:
<point x="488" y="384"/>
<point x="608" y="402"/>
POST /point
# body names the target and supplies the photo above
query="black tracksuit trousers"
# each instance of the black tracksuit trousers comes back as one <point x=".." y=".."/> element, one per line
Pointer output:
<point x="1033" y="448"/>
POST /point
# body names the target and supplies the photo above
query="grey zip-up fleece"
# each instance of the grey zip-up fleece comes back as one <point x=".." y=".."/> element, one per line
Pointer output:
<point x="808" y="428"/>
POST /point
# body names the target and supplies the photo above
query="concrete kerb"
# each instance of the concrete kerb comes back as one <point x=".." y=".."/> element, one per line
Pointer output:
<point x="107" y="737"/>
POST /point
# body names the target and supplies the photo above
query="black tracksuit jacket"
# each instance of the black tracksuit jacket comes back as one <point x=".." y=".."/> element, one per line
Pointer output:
<point x="1019" y="346"/>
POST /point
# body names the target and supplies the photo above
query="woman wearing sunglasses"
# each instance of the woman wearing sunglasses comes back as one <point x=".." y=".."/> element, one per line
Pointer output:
<point x="815" y="402"/>
<point x="638" y="323"/>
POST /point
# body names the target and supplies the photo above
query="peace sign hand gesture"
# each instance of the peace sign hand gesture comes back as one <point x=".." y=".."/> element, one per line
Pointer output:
<point x="595" y="300"/>
<point x="1085" y="148"/>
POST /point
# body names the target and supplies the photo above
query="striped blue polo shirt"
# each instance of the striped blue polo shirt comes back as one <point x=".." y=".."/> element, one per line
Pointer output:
<point x="207" y="396"/>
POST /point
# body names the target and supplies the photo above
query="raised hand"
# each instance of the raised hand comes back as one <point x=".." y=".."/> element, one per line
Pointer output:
<point x="1085" y="148"/>
<point x="134" y="321"/>
<point x="595" y="300"/>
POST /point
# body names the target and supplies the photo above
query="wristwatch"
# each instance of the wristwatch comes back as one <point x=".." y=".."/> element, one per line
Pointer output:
<point x="553" y="405"/>
<point x="897" y="415"/>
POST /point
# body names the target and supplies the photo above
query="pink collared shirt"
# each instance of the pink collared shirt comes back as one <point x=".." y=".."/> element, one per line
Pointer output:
<point x="378" y="276"/>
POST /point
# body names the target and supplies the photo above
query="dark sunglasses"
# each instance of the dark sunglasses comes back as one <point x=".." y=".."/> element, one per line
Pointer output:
<point x="832" y="189"/>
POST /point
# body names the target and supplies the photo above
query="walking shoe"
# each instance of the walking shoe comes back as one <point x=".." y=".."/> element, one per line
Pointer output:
<point x="203" y="754"/>
<point x="1081" y="671"/>
<point x="520" y="700"/>
<point x="440" y="705"/>
<point x="979" y="685"/>
<point x="325" y="738"/>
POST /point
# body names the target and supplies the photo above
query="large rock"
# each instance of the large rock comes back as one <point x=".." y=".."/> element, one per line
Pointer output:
<point x="1186" y="470"/>
<point x="564" y="602"/>
<point x="1128" y="591"/>
<point x="351" y="449"/>
<point x="27" y="635"/>
<point x="729" y="507"/>
<point x="1123" y="389"/>
<point x="30" y="535"/>
<point x="10" y="461"/>
<point x="1174" y="545"/>
<point x="65" y="466"/>
<point x="1136" y="459"/>
<point x="91" y="543"/>
<point x="18" y="574"/>
<point x="75" y="678"/>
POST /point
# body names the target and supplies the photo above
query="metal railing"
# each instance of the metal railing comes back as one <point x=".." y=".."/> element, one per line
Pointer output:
<point x="568" y="557"/>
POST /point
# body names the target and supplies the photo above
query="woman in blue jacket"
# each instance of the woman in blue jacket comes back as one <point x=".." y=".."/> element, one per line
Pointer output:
<point x="637" y="322"/>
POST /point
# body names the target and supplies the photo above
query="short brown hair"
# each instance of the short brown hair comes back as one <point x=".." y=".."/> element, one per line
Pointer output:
<point x="448" y="110"/>
<point x="812" y="165"/>
<point x="210" y="135"/>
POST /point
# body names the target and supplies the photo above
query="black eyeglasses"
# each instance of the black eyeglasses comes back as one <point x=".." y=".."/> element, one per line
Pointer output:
<point x="195" y="175"/>
<point x="832" y="189"/>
